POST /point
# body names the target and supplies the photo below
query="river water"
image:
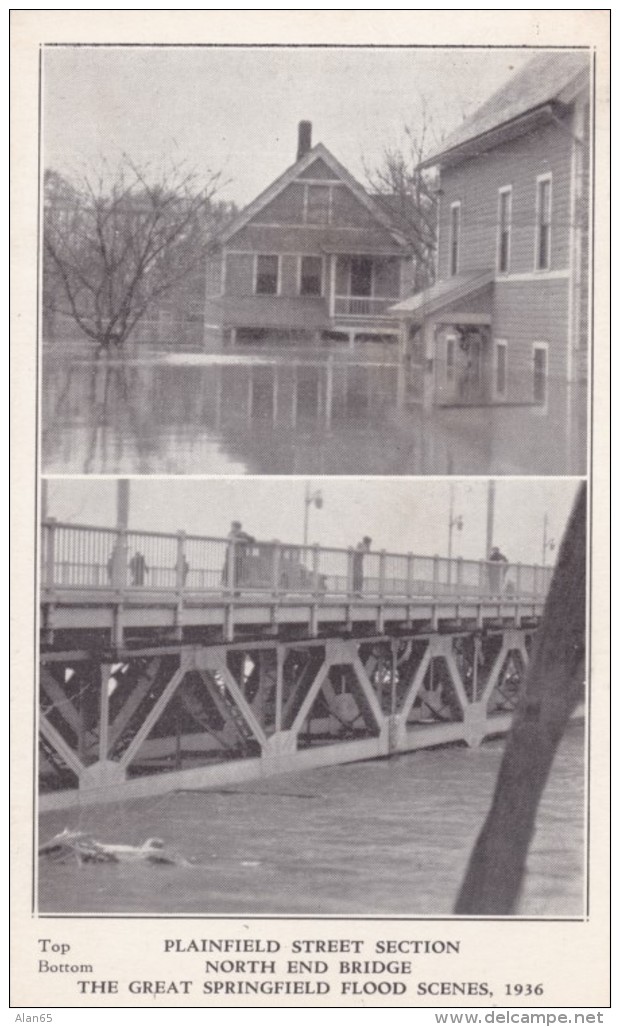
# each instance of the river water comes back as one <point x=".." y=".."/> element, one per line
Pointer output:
<point x="384" y="837"/>
<point x="310" y="414"/>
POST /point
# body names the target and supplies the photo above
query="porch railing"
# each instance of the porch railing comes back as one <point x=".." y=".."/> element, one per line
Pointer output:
<point x="362" y="306"/>
<point x="86" y="557"/>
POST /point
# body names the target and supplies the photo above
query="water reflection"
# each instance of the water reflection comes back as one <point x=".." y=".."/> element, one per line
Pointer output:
<point x="338" y="414"/>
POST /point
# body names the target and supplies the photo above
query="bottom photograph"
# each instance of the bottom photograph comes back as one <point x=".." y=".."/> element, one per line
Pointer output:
<point x="327" y="697"/>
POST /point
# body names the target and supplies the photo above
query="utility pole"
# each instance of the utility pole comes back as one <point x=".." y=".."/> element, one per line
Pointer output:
<point x="490" y="516"/>
<point x="122" y="504"/>
<point x="453" y="522"/>
<point x="548" y="543"/>
<point x="311" y="499"/>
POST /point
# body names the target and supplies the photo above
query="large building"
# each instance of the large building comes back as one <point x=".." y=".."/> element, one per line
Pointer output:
<point x="508" y="314"/>
<point x="313" y="254"/>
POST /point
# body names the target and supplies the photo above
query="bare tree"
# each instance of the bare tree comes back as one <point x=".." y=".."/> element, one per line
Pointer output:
<point x="116" y="241"/>
<point x="410" y="195"/>
<point x="553" y="687"/>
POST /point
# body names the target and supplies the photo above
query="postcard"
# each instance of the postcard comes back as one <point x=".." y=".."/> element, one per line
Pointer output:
<point x="310" y="351"/>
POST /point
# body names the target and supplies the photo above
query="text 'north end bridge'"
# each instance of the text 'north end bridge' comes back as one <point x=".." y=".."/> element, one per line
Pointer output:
<point x="173" y="661"/>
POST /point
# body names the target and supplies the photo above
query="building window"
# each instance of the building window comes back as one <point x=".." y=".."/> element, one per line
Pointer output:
<point x="541" y="372"/>
<point x="504" y="226"/>
<point x="501" y="367"/>
<point x="543" y="223"/>
<point x="450" y="350"/>
<point x="317" y="205"/>
<point x="267" y="275"/>
<point x="455" y="237"/>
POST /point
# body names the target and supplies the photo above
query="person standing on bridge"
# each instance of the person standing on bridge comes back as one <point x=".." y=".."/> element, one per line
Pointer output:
<point x="498" y="564"/>
<point x="361" y="549"/>
<point x="239" y="543"/>
<point x="138" y="569"/>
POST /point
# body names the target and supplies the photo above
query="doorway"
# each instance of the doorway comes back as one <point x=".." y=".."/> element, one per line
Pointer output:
<point x="361" y="276"/>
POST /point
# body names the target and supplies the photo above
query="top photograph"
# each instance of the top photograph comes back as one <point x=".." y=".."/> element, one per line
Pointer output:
<point x="315" y="260"/>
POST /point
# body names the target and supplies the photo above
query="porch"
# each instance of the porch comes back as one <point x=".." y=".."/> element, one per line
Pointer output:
<point x="448" y="337"/>
<point x="363" y="286"/>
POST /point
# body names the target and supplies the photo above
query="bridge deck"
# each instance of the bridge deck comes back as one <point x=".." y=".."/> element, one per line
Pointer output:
<point x="97" y="579"/>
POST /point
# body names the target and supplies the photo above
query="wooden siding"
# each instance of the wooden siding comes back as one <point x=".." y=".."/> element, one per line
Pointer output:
<point x="213" y="275"/>
<point x="476" y="182"/>
<point x="318" y="169"/>
<point x="583" y="220"/>
<point x="524" y="314"/>
<point x="347" y="211"/>
<point x="303" y="239"/>
<point x="239" y="274"/>
<point x="289" y="267"/>
<point x="286" y="208"/>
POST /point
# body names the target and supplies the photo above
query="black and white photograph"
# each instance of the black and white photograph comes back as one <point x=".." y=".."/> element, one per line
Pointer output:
<point x="244" y="273"/>
<point x="310" y="356"/>
<point x="225" y="703"/>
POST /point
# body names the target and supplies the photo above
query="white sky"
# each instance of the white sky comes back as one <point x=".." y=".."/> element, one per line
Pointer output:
<point x="401" y="515"/>
<point x="236" y="109"/>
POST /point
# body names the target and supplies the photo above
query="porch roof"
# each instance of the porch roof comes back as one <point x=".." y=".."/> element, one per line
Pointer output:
<point x="285" y="312"/>
<point x="359" y="243"/>
<point x="441" y="295"/>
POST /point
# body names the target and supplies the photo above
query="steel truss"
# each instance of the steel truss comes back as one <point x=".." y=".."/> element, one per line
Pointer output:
<point x="199" y="716"/>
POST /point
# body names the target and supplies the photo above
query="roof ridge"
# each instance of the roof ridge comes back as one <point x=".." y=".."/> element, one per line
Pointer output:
<point x="290" y="174"/>
<point x="540" y="81"/>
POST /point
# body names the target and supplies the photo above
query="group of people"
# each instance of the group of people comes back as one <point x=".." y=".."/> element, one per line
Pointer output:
<point x="234" y="575"/>
<point x="138" y="568"/>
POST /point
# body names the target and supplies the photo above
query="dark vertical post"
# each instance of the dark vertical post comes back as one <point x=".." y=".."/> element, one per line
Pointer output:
<point x="553" y="687"/>
<point x="490" y="516"/>
<point x="122" y="504"/>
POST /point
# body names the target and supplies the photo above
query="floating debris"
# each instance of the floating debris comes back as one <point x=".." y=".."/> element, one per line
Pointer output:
<point x="79" y="846"/>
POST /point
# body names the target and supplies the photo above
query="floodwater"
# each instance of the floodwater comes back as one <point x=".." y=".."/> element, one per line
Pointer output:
<point x="384" y="837"/>
<point x="306" y="412"/>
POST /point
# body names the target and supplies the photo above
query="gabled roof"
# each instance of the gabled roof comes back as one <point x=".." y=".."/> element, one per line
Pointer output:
<point x="291" y="174"/>
<point x="441" y="295"/>
<point x="545" y="80"/>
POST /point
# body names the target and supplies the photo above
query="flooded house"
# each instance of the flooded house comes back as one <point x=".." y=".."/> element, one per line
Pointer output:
<point x="313" y="256"/>
<point x="507" y="318"/>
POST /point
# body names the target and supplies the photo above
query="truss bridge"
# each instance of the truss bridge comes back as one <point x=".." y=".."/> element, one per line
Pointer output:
<point x="182" y="662"/>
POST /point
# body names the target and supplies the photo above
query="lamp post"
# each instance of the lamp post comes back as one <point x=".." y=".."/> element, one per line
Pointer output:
<point x="453" y="522"/>
<point x="311" y="499"/>
<point x="548" y="543"/>
<point x="490" y="516"/>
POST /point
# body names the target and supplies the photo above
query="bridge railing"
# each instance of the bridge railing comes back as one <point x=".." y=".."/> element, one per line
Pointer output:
<point x="88" y="557"/>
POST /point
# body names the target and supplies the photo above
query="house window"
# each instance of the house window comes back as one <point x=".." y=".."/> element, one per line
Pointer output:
<point x="543" y="223"/>
<point x="267" y="275"/>
<point x="504" y="226"/>
<point x="455" y="237"/>
<point x="317" y="205"/>
<point x="311" y="276"/>
<point x="450" y="350"/>
<point x="540" y="368"/>
<point x="501" y="367"/>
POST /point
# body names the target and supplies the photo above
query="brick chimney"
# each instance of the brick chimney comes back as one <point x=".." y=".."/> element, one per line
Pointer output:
<point x="304" y="138"/>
